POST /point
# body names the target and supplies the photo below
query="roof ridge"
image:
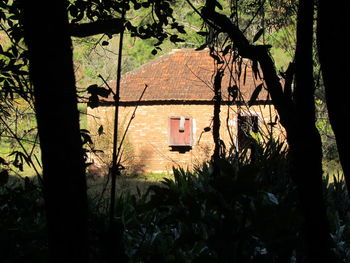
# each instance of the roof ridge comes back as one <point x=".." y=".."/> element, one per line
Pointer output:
<point x="180" y="74"/>
<point x="152" y="61"/>
<point x="159" y="59"/>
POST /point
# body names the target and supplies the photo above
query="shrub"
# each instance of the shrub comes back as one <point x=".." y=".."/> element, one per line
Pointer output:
<point x="22" y="222"/>
<point x="247" y="214"/>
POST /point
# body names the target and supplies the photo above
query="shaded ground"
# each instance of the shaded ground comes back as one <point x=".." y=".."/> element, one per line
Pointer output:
<point x="99" y="188"/>
<point x="124" y="183"/>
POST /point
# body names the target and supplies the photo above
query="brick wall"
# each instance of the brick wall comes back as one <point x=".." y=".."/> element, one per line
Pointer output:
<point x="146" y="148"/>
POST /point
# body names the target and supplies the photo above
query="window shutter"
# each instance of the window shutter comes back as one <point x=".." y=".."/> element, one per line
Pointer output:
<point x="180" y="131"/>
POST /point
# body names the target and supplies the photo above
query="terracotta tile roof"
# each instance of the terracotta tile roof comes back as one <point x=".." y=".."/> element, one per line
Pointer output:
<point x="183" y="75"/>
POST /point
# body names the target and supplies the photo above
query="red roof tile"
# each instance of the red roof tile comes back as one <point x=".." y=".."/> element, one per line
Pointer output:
<point x="183" y="75"/>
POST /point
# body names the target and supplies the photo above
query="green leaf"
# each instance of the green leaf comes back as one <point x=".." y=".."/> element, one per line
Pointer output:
<point x="19" y="158"/>
<point x="255" y="95"/>
<point x="258" y="35"/>
<point x="95" y="90"/>
<point x="255" y="69"/>
<point x="137" y="6"/>
<point x="86" y="138"/>
<point x="93" y="101"/>
<point x="207" y="129"/>
<point x="2" y="161"/>
<point x="233" y="92"/>
<point x="4" y="177"/>
<point x="201" y="47"/>
<point x="100" y="130"/>
<point x="145" y="4"/>
<point x="272" y="198"/>
<point x="84" y="131"/>
<point x="175" y="39"/>
<point x="226" y="50"/>
<point x="218" y="5"/>
<point x="202" y="33"/>
<point x="181" y="29"/>
<point x="245" y="74"/>
<point x="73" y="10"/>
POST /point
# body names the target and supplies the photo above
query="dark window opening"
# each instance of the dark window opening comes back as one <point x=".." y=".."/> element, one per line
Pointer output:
<point x="246" y="125"/>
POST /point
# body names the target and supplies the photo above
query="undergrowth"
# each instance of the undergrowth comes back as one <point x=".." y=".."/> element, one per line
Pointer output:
<point x="249" y="213"/>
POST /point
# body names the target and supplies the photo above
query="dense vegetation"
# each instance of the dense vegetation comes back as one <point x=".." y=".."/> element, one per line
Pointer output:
<point x="273" y="206"/>
<point x="248" y="214"/>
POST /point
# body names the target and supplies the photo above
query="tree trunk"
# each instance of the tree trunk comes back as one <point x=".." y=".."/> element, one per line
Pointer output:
<point x="52" y="75"/>
<point x="305" y="143"/>
<point x="332" y="50"/>
<point x="216" y="122"/>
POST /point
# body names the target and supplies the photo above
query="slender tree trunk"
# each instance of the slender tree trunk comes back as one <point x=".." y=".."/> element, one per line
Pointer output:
<point x="216" y="121"/>
<point x="115" y="235"/>
<point x="332" y="30"/>
<point x="51" y="71"/>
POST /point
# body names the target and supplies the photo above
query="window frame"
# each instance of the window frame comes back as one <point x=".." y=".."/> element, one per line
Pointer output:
<point x="253" y="127"/>
<point x="191" y="132"/>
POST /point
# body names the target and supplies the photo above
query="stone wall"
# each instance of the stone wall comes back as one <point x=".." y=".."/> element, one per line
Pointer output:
<point x="146" y="148"/>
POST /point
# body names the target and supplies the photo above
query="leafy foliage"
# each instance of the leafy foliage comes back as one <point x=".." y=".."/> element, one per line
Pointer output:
<point x="17" y="122"/>
<point x="22" y="222"/>
<point x="248" y="214"/>
<point x="161" y="13"/>
<point x="95" y="92"/>
<point x="238" y="216"/>
<point x="13" y="54"/>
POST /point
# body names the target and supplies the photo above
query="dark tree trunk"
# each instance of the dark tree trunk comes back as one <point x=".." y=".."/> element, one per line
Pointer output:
<point x="332" y="29"/>
<point x="216" y="122"/>
<point x="305" y="143"/>
<point x="51" y="71"/>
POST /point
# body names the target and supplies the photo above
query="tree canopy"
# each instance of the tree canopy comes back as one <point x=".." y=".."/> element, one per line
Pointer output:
<point x="37" y="69"/>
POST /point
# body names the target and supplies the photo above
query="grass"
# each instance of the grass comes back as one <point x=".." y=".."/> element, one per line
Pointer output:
<point x="99" y="188"/>
<point x="153" y="177"/>
<point x="8" y="145"/>
<point x="125" y="183"/>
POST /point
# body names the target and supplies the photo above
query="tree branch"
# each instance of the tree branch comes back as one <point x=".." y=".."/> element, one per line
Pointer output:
<point x="111" y="26"/>
<point x="260" y="53"/>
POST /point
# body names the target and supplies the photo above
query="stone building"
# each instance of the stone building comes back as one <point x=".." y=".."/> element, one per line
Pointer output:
<point x="173" y="119"/>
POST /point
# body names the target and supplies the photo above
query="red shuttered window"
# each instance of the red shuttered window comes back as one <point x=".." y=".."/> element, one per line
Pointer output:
<point x="180" y="131"/>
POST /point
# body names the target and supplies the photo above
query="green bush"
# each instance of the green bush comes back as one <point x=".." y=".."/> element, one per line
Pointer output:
<point x="22" y="222"/>
<point x="247" y="214"/>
